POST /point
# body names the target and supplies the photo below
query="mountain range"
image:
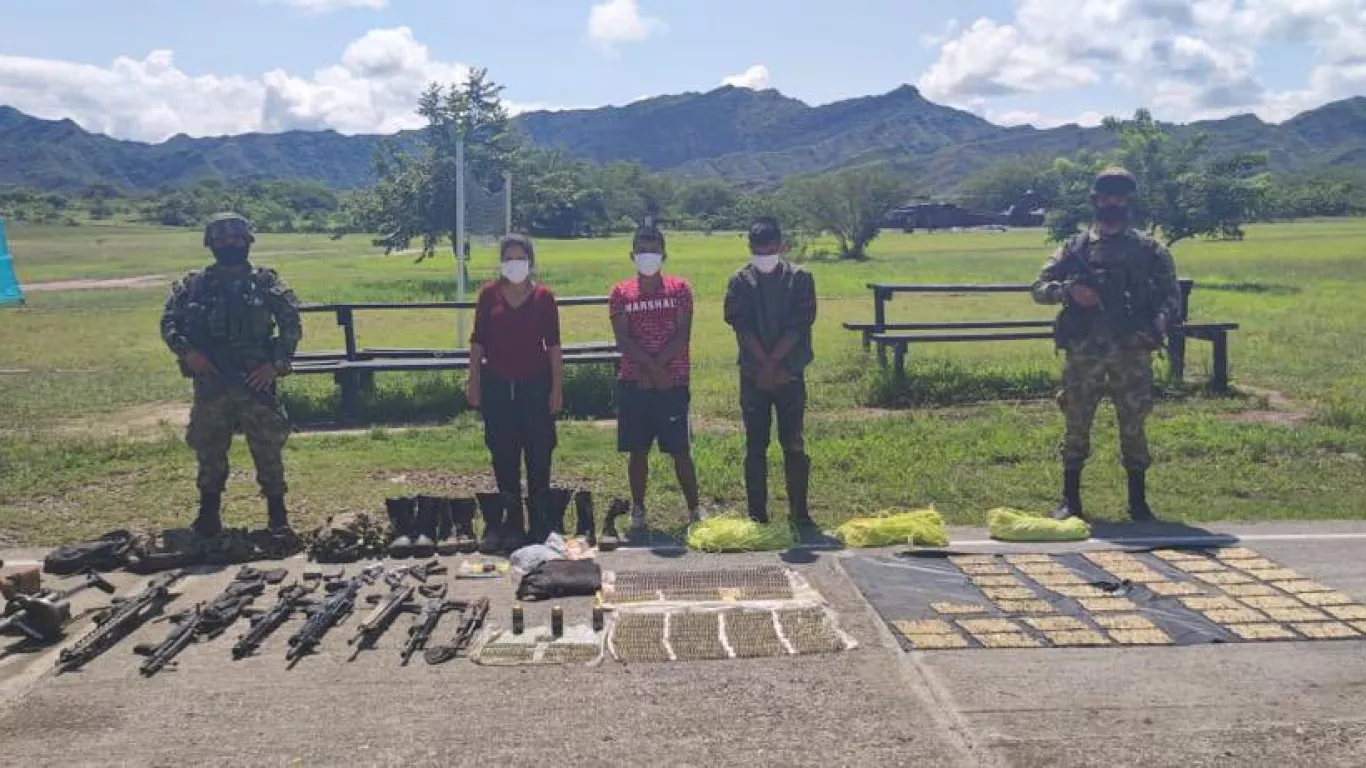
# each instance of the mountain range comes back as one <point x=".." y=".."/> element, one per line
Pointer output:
<point x="746" y="137"/>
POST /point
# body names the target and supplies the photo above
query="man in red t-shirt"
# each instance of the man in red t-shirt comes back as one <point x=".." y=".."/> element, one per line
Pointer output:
<point x="652" y="317"/>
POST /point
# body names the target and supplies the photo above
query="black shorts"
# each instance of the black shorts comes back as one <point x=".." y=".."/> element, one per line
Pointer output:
<point x="645" y="416"/>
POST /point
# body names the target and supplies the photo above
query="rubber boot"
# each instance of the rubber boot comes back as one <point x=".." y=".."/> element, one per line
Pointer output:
<point x="1139" y="511"/>
<point x="1071" y="495"/>
<point x="401" y="514"/>
<point x="209" y="523"/>
<point x="491" y="509"/>
<point x="584" y="527"/>
<point x="797" y="473"/>
<point x="611" y="539"/>
<point x="514" y="523"/>
<point x="277" y="517"/>
<point x="462" y="522"/>
<point x="424" y="526"/>
<point x="557" y="506"/>
<point x="536" y="530"/>
<point x="756" y="488"/>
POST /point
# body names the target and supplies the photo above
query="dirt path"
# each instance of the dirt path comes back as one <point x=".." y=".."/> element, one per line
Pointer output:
<point x="116" y="283"/>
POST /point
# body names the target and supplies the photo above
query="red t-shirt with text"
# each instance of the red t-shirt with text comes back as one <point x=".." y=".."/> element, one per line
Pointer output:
<point x="652" y="320"/>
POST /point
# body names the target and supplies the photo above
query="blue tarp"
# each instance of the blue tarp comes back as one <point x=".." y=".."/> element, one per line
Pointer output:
<point x="9" y="284"/>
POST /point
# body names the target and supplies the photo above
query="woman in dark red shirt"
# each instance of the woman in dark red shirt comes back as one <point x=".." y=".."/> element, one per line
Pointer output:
<point x="516" y="379"/>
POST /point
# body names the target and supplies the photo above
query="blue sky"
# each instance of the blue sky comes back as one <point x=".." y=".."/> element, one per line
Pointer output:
<point x="147" y="69"/>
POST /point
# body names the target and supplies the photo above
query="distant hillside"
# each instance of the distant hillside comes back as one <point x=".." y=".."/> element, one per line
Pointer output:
<point x="749" y="138"/>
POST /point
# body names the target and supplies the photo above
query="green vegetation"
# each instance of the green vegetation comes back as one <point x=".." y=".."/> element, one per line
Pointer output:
<point x="84" y="383"/>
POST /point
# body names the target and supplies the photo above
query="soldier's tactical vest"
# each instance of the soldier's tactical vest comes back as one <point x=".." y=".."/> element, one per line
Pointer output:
<point x="230" y="317"/>
<point x="1120" y="270"/>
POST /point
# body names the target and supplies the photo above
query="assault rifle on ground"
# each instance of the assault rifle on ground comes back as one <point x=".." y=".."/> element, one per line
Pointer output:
<point x="333" y="610"/>
<point x="118" y="620"/>
<point x="41" y="617"/>
<point x="474" y="619"/>
<point x="382" y="615"/>
<point x="291" y="598"/>
<point x="421" y="630"/>
<point x="203" y="620"/>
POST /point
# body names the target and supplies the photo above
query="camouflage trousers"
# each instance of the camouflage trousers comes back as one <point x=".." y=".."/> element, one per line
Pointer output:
<point x="216" y="415"/>
<point x="1094" y="371"/>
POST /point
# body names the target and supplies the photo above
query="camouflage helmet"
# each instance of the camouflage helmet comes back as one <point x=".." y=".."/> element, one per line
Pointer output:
<point x="1114" y="181"/>
<point x="227" y="225"/>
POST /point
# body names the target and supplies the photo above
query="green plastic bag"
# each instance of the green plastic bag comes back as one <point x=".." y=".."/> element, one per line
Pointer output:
<point x="1008" y="524"/>
<point x="923" y="527"/>
<point x="733" y="533"/>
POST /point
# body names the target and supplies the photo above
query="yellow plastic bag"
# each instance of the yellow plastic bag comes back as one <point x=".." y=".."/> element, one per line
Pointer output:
<point x="1009" y="524"/>
<point x="734" y="533"/>
<point x="923" y="527"/>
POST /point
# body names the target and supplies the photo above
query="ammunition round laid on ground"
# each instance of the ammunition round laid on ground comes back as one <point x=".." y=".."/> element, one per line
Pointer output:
<point x="517" y="620"/>
<point x="557" y="621"/>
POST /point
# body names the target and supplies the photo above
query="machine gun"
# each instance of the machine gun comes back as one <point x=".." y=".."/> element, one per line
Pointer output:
<point x="291" y="598"/>
<point x="382" y="615"/>
<point x="203" y="620"/>
<point x="421" y="630"/>
<point x="41" y="617"/>
<point x="474" y="619"/>
<point x="331" y="612"/>
<point x="1117" y="305"/>
<point x="118" y="620"/>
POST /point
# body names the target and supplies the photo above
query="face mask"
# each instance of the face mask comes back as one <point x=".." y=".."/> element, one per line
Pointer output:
<point x="1112" y="214"/>
<point x="231" y="257"/>
<point x="516" y="271"/>
<point x="648" y="264"/>
<point x="766" y="264"/>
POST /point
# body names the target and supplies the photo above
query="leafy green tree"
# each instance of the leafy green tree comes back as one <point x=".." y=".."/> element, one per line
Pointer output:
<point x="850" y="205"/>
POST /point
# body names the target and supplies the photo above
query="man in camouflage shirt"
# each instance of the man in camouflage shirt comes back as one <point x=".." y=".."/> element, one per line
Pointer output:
<point x="221" y="323"/>
<point x="1120" y="292"/>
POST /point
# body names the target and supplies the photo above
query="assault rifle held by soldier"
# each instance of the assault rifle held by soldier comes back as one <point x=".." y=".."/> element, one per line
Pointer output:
<point x="333" y="611"/>
<point x="121" y="618"/>
<point x="474" y="619"/>
<point x="41" y="617"/>
<point x="203" y="620"/>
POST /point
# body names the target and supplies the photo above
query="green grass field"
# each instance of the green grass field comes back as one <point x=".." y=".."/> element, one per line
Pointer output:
<point x="85" y="381"/>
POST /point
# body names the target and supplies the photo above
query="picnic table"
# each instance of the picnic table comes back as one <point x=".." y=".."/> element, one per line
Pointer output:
<point x="900" y="336"/>
<point x="353" y="367"/>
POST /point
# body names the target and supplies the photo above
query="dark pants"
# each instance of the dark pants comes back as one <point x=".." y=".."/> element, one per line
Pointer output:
<point x="758" y="408"/>
<point x="519" y="428"/>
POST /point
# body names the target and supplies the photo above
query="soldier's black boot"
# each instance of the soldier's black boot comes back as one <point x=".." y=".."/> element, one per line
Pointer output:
<point x="401" y="514"/>
<point x="445" y="528"/>
<point x="462" y="520"/>
<point x="491" y="509"/>
<point x="277" y="517"/>
<point x="514" y="523"/>
<point x="756" y="487"/>
<point x="558" y="506"/>
<point x="611" y="539"/>
<point x="1071" y="495"/>
<point x="424" y="527"/>
<point x="209" y="523"/>
<point x="584" y="527"/>
<point x="1139" y="511"/>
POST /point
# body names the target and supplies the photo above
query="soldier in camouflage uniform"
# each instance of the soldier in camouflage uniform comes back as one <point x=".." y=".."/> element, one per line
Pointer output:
<point x="1119" y="290"/>
<point x="221" y="323"/>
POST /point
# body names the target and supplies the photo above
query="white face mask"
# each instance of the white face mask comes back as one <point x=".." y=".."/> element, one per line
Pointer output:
<point x="648" y="264"/>
<point x="517" y="270"/>
<point x="766" y="264"/>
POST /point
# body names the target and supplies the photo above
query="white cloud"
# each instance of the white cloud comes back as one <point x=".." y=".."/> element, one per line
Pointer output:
<point x="327" y="6"/>
<point x="373" y="88"/>
<point x="755" y="78"/>
<point x="620" y="21"/>
<point x="1188" y="59"/>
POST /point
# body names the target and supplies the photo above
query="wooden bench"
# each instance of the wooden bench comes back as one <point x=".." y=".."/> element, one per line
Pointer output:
<point x="353" y="368"/>
<point x="891" y="335"/>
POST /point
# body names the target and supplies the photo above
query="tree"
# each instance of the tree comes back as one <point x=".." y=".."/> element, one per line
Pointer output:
<point x="415" y="196"/>
<point x="850" y="205"/>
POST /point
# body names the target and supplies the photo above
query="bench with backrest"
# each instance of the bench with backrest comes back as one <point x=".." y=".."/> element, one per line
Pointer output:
<point x="899" y="336"/>
<point x="354" y="367"/>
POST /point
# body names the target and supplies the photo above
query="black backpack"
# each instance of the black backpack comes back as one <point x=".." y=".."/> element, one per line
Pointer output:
<point x="107" y="553"/>
<point x="561" y="578"/>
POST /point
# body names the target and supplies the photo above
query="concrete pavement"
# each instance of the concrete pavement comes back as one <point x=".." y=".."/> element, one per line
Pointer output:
<point x="1300" y="703"/>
